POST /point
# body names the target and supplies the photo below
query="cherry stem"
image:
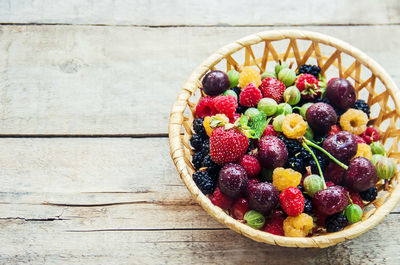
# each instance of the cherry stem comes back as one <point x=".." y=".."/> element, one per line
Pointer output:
<point x="325" y="152"/>
<point x="316" y="161"/>
<point x="351" y="201"/>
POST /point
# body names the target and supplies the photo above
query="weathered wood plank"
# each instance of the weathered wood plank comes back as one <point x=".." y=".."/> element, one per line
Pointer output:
<point x="95" y="80"/>
<point x="53" y="243"/>
<point x="209" y="12"/>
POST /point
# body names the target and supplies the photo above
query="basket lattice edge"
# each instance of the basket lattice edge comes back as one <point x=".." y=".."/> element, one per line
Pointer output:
<point x="179" y="146"/>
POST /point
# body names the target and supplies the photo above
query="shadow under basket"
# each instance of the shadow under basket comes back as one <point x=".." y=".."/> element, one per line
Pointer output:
<point x="335" y="58"/>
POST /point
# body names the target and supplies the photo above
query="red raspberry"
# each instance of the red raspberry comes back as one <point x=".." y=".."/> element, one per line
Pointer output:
<point x="360" y="140"/>
<point x="220" y="199"/>
<point x="275" y="226"/>
<point x="370" y="134"/>
<point x="239" y="208"/>
<point x="269" y="130"/>
<point x="252" y="182"/>
<point x="292" y="201"/>
<point x="225" y="105"/>
<point x="205" y="107"/>
<point x="334" y="129"/>
<point x="329" y="184"/>
<point x="355" y="197"/>
<point x="251" y="165"/>
<point x="250" y="95"/>
<point x="272" y="88"/>
<point x="235" y="117"/>
<point x="308" y="86"/>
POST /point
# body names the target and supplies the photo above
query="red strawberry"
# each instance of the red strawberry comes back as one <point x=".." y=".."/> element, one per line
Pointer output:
<point x="269" y="130"/>
<point x="292" y="201"/>
<point x="370" y="134"/>
<point x="220" y="199"/>
<point x="226" y="105"/>
<point x="334" y="129"/>
<point x="308" y="86"/>
<point x="250" y="95"/>
<point x="239" y="208"/>
<point x="272" y="88"/>
<point x="227" y="145"/>
<point x="275" y="226"/>
<point x="205" y="107"/>
<point x="251" y="165"/>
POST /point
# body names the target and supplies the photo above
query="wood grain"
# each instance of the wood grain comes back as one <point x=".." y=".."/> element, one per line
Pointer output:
<point x="208" y="12"/>
<point x="93" y="80"/>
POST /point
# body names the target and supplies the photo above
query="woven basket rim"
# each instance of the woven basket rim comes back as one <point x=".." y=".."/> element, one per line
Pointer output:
<point x="177" y="152"/>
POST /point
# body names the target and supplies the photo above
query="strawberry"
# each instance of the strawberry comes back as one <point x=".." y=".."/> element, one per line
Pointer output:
<point x="227" y="145"/>
<point x="272" y="88"/>
<point x="308" y="86"/>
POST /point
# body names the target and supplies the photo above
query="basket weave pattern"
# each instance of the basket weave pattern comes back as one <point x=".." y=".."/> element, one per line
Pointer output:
<point x="368" y="78"/>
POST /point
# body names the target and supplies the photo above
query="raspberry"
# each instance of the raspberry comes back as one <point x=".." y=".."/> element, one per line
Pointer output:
<point x="227" y="145"/>
<point x="221" y="200"/>
<point x="205" y="107"/>
<point x="355" y="197"/>
<point x="284" y="178"/>
<point x="370" y="134"/>
<point x="196" y="141"/>
<point x="249" y="75"/>
<point x="204" y="181"/>
<point x="226" y="105"/>
<point x="354" y="121"/>
<point x="360" y="140"/>
<point x="329" y="184"/>
<point x="235" y="117"/>
<point x="364" y="150"/>
<point x="335" y="222"/>
<point x="293" y="126"/>
<point x="309" y="69"/>
<point x="298" y="226"/>
<point x="239" y="208"/>
<point x="369" y="195"/>
<point x="334" y="129"/>
<point x="292" y="201"/>
<point x="252" y="182"/>
<point x="269" y="130"/>
<point x="197" y="160"/>
<point x="198" y="127"/>
<point x="250" y="96"/>
<point x="308" y="86"/>
<point x="251" y="165"/>
<point x="362" y="105"/>
<point x="275" y="226"/>
<point x="272" y="88"/>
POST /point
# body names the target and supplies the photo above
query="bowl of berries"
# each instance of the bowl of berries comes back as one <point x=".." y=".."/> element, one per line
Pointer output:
<point x="290" y="138"/>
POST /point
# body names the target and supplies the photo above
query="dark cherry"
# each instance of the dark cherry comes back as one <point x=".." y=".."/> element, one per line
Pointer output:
<point x="361" y="175"/>
<point x="331" y="200"/>
<point x="340" y="93"/>
<point x="233" y="180"/>
<point x="342" y="145"/>
<point x="272" y="152"/>
<point x="320" y="117"/>
<point x="334" y="173"/>
<point x="215" y="83"/>
<point x="263" y="197"/>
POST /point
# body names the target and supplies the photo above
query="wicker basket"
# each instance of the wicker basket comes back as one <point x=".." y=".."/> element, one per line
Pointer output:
<point x="335" y="58"/>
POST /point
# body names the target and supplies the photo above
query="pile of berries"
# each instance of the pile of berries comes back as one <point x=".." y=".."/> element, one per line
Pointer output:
<point x="286" y="152"/>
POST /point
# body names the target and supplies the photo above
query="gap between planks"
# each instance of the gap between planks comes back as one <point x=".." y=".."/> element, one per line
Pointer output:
<point x="140" y="135"/>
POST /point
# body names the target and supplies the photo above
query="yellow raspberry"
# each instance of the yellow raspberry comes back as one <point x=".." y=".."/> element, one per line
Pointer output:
<point x="354" y="121"/>
<point x="298" y="226"/>
<point x="210" y="123"/>
<point x="249" y="75"/>
<point x="293" y="126"/>
<point x="364" y="150"/>
<point x="285" y="177"/>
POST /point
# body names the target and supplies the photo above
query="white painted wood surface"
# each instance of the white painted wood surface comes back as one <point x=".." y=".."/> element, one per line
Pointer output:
<point x="94" y="80"/>
<point x="118" y="200"/>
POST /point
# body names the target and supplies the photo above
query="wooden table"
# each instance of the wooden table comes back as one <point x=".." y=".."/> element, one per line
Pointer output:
<point x="85" y="93"/>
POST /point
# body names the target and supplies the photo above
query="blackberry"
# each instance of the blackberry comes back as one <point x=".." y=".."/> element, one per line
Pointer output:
<point x="237" y="90"/>
<point x="309" y="69"/>
<point x="197" y="160"/>
<point x="296" y="163"/>
<point x="307" y="206"/>
<point x="266" y="175"/>
<point x="335" y="222"/>
<point x="319" y="139"/>
<point x="205" y="147"/>
<point x="196" y="141"/>
<point x="305" y="155"/>
<point x="323" y="100"/>
<point x="251" y="146"/>
<point x="301" y="188"/>
<point x="362" y="105"/>
<point x="212" y="167"/>
<point x="241" y="109"/>
<point x="369" y="195"/>
<point x="293" y="146"/>
<point x="204" y="181"/>
<point x="199" y="128"/>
